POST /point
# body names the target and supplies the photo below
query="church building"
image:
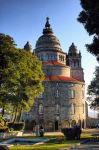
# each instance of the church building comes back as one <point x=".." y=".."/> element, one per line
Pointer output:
<point x="63" y="102"/>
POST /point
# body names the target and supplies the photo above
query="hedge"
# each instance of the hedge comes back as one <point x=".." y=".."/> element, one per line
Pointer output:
<point x="17" y="126"/>
<point x="3" y="129"/>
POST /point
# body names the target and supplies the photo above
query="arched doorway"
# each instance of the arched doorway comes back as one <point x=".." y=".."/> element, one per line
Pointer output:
<point x="27" y="125"/>
<point x="33" y="124"/>
<point x="83" y="124"/>
<point x="73" y="123"/>
<point x="65" y="124"/>
<point x="49" y="126"/>
<point x="79" y="122"/>
<point x="56" y="125"/>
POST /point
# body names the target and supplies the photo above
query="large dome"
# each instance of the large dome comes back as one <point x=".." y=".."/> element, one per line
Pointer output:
<point x="48" y="41"/>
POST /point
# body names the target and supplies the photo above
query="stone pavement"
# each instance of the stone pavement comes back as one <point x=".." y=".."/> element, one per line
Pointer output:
<point x="45" y="134"/>
<point x="87" y="146"/>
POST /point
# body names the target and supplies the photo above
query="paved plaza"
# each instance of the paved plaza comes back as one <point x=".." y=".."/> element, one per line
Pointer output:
<point x="88" y="146"/>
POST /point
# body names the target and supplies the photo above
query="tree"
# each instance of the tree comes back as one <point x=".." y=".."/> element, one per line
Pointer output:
<point x="7" y="49"/>
<point x="21" y="76"/>
<point x="89" y="17"/>
<point x="93" y="90"/>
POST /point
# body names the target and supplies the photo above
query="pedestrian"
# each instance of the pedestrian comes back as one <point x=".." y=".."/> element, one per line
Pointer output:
<point x="41" y="131"/>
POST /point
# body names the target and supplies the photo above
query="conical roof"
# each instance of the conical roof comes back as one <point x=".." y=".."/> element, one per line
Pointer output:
<point x="73" y="49"/>
<point x="48" y="41"/>
<point x="28" y="47"/>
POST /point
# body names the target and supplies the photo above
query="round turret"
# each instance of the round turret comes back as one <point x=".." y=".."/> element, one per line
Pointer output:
<point x="28" y="47"/>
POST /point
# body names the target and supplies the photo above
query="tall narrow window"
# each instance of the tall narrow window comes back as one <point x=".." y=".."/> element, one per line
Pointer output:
<point x="42" y="57"/>
<point x="82" y="94"/>
<point x="57" y="93"/>
<point x="57" y="85"/>
<point x="47" y="57"/>
<point x="71" y="93"/>
<point x="82" y="108"/>
<point x="57" y="108"/>
<point x="72" y="108"/>
<point x="40" y="109"/>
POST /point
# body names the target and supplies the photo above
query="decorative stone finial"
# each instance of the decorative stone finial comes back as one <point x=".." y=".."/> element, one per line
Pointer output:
<point x="47" y="18"/>
<point x="47" y="29"/>
<point x="47" y="25"/>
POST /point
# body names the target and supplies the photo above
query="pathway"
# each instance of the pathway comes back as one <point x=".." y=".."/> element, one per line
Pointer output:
<point x="88" y="146"/>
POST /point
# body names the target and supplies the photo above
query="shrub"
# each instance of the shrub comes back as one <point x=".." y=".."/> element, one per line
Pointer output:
<point x="72" y="133"/>
<point x="2" y="122"/>
<point x="60" y="140"/>
<point x="3" y="129"/>
<point x="17" y="126"/>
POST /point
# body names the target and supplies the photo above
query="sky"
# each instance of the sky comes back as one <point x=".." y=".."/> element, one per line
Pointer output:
<point x="24" y="20"/>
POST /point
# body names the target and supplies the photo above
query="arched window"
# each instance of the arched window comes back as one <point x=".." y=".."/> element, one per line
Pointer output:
<point x="71" y="93"/>
<point x="40" y="109"/>
<point x="41" y="57"/>
<point x="83" y="94"/>
<point x="57" y="108"/>
<point x="57" y="93"/>
<point x="55" y="57"/>
<point x="47" y="57"/>
<point x="59" y="57"/>
<point x="52" y="57"/>
<point x="73" y="108"/>
<point x="83" y="108"/>
<point x="57" y="84"/>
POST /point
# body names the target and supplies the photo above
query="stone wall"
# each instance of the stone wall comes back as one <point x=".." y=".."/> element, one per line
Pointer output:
<point x="77" y="73"/>
<point x="57" y="94"/>
<point x="56" y="70"/>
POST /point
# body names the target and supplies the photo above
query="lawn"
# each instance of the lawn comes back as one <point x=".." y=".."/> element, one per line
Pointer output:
<point x="53" y="144"/>
<point x="47" y="146"/>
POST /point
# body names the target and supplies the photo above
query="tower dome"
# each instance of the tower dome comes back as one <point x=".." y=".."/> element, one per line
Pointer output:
<point x="48" y="41"/>
<point x="28" y="47"/>
<point x="73" y="49"/>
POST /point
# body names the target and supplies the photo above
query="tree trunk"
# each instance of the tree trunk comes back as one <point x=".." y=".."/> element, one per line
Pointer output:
<point x="16" y="110"/>
<point x="3" y="110"/>
<point x="19" y="115"/>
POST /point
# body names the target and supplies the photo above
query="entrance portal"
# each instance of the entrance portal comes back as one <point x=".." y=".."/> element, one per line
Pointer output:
<point x="65" y="124"/>
<point x="56" y="125"/>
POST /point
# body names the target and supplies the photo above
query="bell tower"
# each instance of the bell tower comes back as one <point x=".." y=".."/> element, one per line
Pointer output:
<point x="74" y="61"/>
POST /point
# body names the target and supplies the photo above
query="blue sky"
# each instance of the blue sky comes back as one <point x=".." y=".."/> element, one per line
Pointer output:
<point x="24" y="20"/>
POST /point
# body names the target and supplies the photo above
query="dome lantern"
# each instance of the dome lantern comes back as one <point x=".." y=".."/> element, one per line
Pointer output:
<point x="47" y="29"/>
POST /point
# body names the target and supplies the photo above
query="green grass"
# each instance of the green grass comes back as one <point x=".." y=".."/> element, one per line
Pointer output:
<point x="53" y="144"/>
<point x="49" y="146"/>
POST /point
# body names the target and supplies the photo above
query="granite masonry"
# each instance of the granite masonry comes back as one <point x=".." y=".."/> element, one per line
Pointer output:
<point x="63" y="102"/>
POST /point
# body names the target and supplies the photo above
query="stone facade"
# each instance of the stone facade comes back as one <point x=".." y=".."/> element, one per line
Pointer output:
<point x="63" y="102"/>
